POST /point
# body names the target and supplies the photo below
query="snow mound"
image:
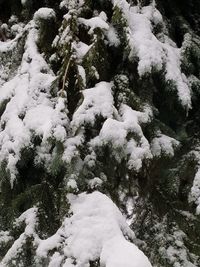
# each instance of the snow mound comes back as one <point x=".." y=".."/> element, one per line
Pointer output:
<point x="96" y="22"/>
<point x="115" y="132"/>
<point x="98" y="101"/>
<point x="44" y="13"/>
<point x="96" y="230"/>
<point x="118" y="252"/>
<point x="163" y="144"/>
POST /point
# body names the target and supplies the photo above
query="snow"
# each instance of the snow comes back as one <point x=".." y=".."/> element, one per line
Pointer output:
<point x="154" y="52"/>
<point x="95" y="230"/>
<point x="115" y="132"/>
<point x="163" y="144"/>
<point x="72" y="184"/>
<point x="44" y="13"/>
<point x="112" y="36"/>
<point x="81" y="49"/>
<point x="53" y="242"/>
<point x="194" y="195"/>
<point x="95" y="22"/>
<point x="95" y="182"/>
<point x="118" y="252"/>
<point x="30" y="219"/>
<point x="5" y="237"/>
<point x="98" y="101"/>
<point x="195" y="191"/>
<point x="23" y="2"/>
<point x="56" y="260"/>
<point x="143" y="42"/>
<point x="30" y="109"/>
<point x="43" y="119"/>
<point x="71" y="4"/>
<point x="71" y="147"/>
<point x="82" y="73"/>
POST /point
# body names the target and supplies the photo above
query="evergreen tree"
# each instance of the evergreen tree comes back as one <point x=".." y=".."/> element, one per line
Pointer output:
<point x="99" y="107"/>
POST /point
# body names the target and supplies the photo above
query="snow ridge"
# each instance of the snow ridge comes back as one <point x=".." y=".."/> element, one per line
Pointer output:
<point x="95" y="230"/>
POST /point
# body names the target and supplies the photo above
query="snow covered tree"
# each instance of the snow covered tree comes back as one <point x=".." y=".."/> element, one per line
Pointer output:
<point x="99" y="133"/>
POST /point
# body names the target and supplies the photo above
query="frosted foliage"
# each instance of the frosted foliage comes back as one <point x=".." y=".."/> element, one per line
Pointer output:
<point x="114" y="132"/>
<point x="24" y="2"/>
<point x="195" y="190"/>
<point x="163" y="144"/>
<point x="194" y="195"/>
<point x="72" y="4"/>
<point x="4" y="237"/>
<point x="44" y="13"/>
<point x="95" y="230"/>
<point x="29" y="217"/>
<point x="98" y="101"/>
<point x="154" y="52"/>
<point x="97" y="104"/>
<point x="96" y="22"/>
<point x="30" y="111"/>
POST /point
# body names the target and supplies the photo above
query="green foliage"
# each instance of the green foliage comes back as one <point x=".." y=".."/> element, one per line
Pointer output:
<point x="191" y="55"/>
<point x="95" y="62"/>
<point x="120" y="23"/>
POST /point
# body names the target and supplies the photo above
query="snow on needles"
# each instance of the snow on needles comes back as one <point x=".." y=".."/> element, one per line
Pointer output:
<point x="29" y="217"/>
<point x="98" y="101"/>
<point x="154" y="52"/>
<point x="115" y="132"/>
<point x="117" y="125"/>
<point x="95" y="230"/>
<point x="96" y="22"/>
<point x="29" y="109"/>
<point x="195" y="190"/>
<point x="163" y="144"/>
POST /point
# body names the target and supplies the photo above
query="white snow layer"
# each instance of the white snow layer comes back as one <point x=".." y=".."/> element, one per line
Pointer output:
<point x="95" y="230"/>
<point x="163" y="144"/>
<point x="30" y="110"/>
<point x="29" y="217"/>
<point x="114" y="132"/>
<point x="195" y="190"/>
<point x="98" y="101"/>
<point x="96" y="22"/>
<point x="44" y="13"/>
<point x="154" y="52"/>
